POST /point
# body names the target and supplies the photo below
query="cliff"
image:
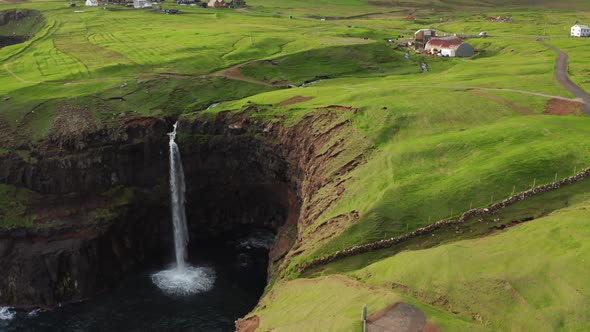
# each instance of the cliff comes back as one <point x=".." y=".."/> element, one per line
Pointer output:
<point x="98" y="205"/>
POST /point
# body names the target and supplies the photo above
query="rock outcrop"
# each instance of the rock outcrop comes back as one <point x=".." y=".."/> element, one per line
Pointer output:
<point x="88" y="231"/>
<point x="303" y="166"/>
<point x="10" y="18"/>
<point x="83" y="240"/>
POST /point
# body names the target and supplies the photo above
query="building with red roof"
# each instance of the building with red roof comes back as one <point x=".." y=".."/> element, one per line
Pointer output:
<point x="451" y="47"/>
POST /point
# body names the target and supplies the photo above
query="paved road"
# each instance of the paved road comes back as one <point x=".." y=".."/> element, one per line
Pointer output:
<point x="561" y="76"/>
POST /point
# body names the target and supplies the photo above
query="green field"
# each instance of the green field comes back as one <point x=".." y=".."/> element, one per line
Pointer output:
<point x="470" y="132"/>
<point x="535" y="271"/>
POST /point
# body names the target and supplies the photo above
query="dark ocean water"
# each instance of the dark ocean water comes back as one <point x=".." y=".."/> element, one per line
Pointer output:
<point x="138" y="305"/>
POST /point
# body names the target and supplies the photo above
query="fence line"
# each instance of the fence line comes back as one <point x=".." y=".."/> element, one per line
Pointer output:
<point x="492" y="209"/>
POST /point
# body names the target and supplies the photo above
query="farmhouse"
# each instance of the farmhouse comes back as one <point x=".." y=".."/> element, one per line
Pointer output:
<point x="216" y="3"/>
<point x="451" y="47"/>
<point x="91" y="3"/>
<point x="580" y="30"/>
<point x="141" y="4"/>
<point x="422" y="36"/>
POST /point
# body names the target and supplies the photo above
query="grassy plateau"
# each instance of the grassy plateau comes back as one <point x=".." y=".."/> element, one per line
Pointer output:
<point x="465" y="134"/>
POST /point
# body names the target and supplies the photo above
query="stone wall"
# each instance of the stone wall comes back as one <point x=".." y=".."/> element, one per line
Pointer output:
<point x="490" y="210"/>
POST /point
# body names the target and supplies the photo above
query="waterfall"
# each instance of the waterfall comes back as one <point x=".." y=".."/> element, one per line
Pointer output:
<point x="177" y="190"/>
<point x="182" y="278"/>
<point x="7" y="313"/>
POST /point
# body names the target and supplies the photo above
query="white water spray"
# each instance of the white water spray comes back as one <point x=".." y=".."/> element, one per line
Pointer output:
<point x="7" y="313"/>
<point x="177" y="190"/>
<point x="182" y="279"/>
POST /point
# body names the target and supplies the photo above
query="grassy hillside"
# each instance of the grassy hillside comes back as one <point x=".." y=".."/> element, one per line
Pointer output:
<point x="336" y="61"/>
<point x="532" y="277"/>
<point x="467" y="133"/>
<point x="527" y="277"/>
<point x="28" y="25"/>
<point x="296" y="307"/>
<point x="13" y="206"/>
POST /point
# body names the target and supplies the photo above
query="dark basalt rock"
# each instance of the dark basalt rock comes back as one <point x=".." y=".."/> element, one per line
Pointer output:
<point x="239" y="172"/>
<point x="133" y="155"/>
<point x="72" y="264"/>
<point x="17" y="15"/>
<point x="12" y="40"/>
<point x="12" y="15"/>
<point x="71" y="252"/>
<point x="232" y="181"/>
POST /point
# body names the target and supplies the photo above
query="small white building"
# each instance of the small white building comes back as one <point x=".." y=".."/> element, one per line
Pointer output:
<point x="91" y="3"/>
<point x="451" y="47"/>
<point x="580" y="30"/>
<point x="141" y="4"/>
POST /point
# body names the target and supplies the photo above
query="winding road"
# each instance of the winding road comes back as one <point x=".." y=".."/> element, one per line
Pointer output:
<point x="561" y="76"/>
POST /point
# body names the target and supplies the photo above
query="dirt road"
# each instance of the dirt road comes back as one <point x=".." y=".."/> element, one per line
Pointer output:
<point x="561" y="76"/>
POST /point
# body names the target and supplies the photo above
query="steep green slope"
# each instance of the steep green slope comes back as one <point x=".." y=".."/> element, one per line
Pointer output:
<point x="436" y="156"/>
<point x="532" y="277"/>
<point x="466" y="134"/>
<point x="20" y="22"/>
<point x="526" y="277"/>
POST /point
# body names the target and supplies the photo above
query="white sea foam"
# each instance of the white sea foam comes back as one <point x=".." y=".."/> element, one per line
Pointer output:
<point x="258" y="240"/>
<point x="33" y="313"/>
<point x="188" y="281"/>
<point x="7" y="313"/>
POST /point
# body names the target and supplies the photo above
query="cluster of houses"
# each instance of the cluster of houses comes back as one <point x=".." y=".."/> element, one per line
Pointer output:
<point x="426" y="40"/>
<point x="148" y="4"/>
<point x="134" y="4"/>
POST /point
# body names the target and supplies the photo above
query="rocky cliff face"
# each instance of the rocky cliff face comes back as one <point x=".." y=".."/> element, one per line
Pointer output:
<point x="12" y="15"/>
<point x="91" y="162"/>
<point x="65" y="264"/>
<point x="234" y="180"/>
<point x="83" y="238"/>
<point x="11" y="18"/>
<point x="240" y="171"/>
<point x="302" y="168"/>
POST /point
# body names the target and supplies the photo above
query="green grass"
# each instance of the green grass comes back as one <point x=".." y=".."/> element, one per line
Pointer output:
<point x="13" y="207"/>
<point x="450" y="172"/>
<point x="335" y="303"/>
<point x="435" y="156"/>
<point x="532" y="277"/>
<point x="534" y="104"/>
<point x="537" y="206"/>
<point x="336" y="61"/>
<point x="528" y="277"/>
<point x="434" y="144"/>
<point x="27" y="26"/>
<point x="174" y="96"/>
<point x="576" y="48"/>
<point x="31" y="110"/>
<point x="325" y="304"/>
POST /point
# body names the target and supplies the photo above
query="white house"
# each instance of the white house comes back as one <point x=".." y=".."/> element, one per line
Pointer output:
<point x="141" y="4"/>
<point x="450" y="47"/>
<point x="91" y="3"/>
<point x="580" y="30"/>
